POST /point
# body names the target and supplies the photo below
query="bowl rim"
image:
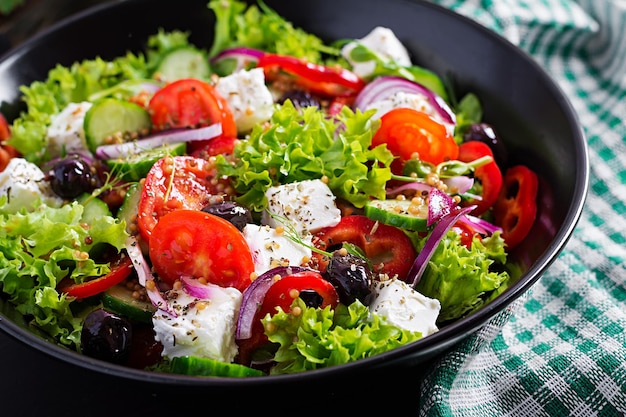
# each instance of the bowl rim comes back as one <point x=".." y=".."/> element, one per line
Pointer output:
<point x="433" y="344"/>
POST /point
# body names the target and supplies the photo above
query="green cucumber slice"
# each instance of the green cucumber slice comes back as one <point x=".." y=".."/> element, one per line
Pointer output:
<point x="110" y="116"/>
<point x="400" y="213"/>
<point x="119" y="299"/>
<point x="184" y="62"/>
<point x="137" y="165"/>
<point x="94" y="208"/>
<point x="193" y="365"/>
<point x="128" y="210"/>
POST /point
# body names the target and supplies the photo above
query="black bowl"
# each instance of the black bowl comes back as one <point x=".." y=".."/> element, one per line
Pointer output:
<point x="527" y="108"/>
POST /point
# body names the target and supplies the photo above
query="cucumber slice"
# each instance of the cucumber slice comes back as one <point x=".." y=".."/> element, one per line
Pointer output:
<point x="184" y="62"/>
<point x="94" y="208"/>
<point x="128" y="209"/>
<point x="400" y="213"/>
<point x="119" y="299"/>
<point x="193" y="365"/>
<point x="136" y="165"/>
<point x="111" y="116"/>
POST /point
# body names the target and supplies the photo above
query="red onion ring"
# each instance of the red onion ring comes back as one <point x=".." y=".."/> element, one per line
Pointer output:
<point x="243" y="56"/>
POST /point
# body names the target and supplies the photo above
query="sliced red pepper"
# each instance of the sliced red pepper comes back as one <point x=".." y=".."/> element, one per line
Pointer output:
<point x="315" y="78"/>
<point x="515" y="209"/>
<point x="120" y="270"/>
<point x="388" y="248"/>
<point x="489" y="175"/>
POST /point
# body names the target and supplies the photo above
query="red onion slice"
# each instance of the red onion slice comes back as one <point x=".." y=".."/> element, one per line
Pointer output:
<point x="439" y="231"/>
<point x="480" y="225"/>
<point x="440" y="205"/>
<point x="244" y="57"/>
<point x="253" y="298"/>
<point x="120" y="150"/>
<point x="196" y="289"/>
<point x="384" y="87"/>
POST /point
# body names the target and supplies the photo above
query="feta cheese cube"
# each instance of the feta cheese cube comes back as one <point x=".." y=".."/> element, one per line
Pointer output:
<point x="203" y="327"/>
<point x="248" y="97"/>
<point x="309" y="206"/>
<point x="66" y="133"/>
<point x="404" y="307"/>
<point x="384" y="43"/>
<point x="23" y="184"/>
<point x="271" y="249"/>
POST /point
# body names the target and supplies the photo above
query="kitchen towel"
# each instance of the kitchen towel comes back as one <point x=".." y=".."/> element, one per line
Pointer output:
<point x="560" y="350"/>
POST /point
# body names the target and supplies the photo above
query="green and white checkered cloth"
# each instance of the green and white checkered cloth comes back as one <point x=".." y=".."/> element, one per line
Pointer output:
<point x="561" y="349"/>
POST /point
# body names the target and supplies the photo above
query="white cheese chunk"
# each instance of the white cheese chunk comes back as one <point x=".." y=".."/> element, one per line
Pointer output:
<point x="384" y="43"/>
<point x="309" y="206"/>
<point x="23" y="184"/>
<point x="404" y="307"/>
<point x="66" y="133"/>
<point x="271" y="249"/>
<point x="413" y="101"/>
<point x="248" y="97"/>
<point x="203" y="327"/>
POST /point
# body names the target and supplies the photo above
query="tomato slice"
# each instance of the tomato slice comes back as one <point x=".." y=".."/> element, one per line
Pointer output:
<point x="489" y="175"/>
<point x="408" y="132"/>
<point x="317" y="79"/>
<point x="6" y="151"/>
<point x="388" y="248"/>
<point x="466" y="233"/>
<point x="190" y="102"/>
<point x="221" y="145"/>
<point x="200" y="245"/>
<point x="120" y="270"/>
<point x="173" y="183"/>
<point x="281" y="294"/>
<point x="516" y="207"/>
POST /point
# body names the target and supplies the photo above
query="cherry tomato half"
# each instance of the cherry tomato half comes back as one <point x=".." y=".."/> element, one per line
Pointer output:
<point x="516" y="208"/>
<point x="173" y="183"/>
<point x="387" y="247"/>
<point x="408" y="132"/>
<point x="317" y="79"/>
<point x="281" y="294"/>
<point x="190" y="103"/>
<point x="200" y="245"/>
<point x="489" y="175"/>
<point x="120" y="270"/>
<point x="6" y="151"/>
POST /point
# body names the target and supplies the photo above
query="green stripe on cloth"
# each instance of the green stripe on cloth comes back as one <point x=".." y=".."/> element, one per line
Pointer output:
<point x="560" y="350"/>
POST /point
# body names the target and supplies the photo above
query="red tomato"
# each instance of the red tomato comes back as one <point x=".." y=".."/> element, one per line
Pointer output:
<point x="6" y="151"/>
<point x="489" y="175"/>
<point x="466" y="232"/>
<point x="387" y="247"/>
<point x="200" y="245"/>
<point x="120" y="270"/>
<point x="516" y="208"/>
<point x="190" y="103"/>
<point x="217" y="146"/>
<point x="173" y="183"/>
<point x="281" y="294"/>
<point x="317" y="79"/>
<point x="408" y="132"/>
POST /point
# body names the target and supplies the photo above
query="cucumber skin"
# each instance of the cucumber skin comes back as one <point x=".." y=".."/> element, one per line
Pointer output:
<point x="137" y="166"/>
<point x="184" y="62"/>
<point x="383" y="211"/>
<point x="118" y="299"/>
<point x="196" y="366"/>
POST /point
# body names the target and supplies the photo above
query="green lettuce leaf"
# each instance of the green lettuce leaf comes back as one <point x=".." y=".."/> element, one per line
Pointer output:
<point x="40" y="248"/>
<point x="303" y="145"/>
<point x="319" y="338"/>
<point x="461" y="278"/>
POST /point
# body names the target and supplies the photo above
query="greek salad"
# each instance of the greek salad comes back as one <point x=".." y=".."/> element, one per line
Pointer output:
<point x="273" y="205"/>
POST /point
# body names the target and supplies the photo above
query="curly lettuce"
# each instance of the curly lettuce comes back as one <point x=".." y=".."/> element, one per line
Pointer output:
<point x="462" y="279"/>
<point x="40" y="248"/>
<point x="301" y="145"/>
<point x="320" y="338"/>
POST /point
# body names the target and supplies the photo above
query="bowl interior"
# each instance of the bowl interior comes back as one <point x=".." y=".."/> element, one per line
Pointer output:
<point x="527" y="109"/>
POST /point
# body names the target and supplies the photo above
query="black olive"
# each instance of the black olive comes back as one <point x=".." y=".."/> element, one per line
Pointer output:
<point x="484" y="132"/>
<point x="350" y="275"/>
<point x="300" y="99"/>
<point x="311" y="298"/>
<point x="72" y="176"/>
<point x="235" y="213"/>
<point x="106" y="336"/>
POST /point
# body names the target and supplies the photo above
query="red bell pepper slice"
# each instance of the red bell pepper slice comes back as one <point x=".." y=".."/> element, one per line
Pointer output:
<point x="317" y="79"/>
<point x="515" y="209"/>
<point x="120" y="270"/>
<point x="387" y="247"/>
<point x="489" y="175"/>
